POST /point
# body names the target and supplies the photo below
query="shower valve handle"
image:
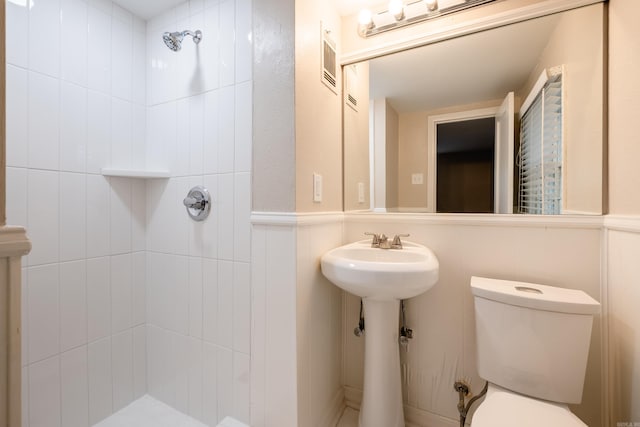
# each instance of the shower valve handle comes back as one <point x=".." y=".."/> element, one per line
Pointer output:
<point x="198" y="203"/>
<point x="193" y="202"/>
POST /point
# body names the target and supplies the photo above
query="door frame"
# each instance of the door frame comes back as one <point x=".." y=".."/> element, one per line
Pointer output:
<point x="432" y="135"/>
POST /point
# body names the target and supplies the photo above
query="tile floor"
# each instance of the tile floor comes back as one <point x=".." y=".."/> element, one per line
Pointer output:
<point x="149" y="412"/>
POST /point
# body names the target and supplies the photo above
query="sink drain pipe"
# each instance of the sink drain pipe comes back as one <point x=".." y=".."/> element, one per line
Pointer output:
<point x="463" y="390"/>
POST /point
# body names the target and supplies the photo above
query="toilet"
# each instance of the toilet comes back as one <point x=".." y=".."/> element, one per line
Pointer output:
<point x="532" y="347"/>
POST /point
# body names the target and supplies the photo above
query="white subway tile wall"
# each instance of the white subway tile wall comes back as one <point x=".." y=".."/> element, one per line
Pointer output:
<point x="124" y="295"/>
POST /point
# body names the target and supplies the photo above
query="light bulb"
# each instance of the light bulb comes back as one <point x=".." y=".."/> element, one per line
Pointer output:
<point x="365" y="18"/>
<point x="396" y="8"/>
<point x="431" y="5"/>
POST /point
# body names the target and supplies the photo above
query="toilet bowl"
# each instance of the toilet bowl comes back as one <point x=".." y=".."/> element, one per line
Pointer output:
<point x="532" y="347"/>
<point x="504" y="408"/>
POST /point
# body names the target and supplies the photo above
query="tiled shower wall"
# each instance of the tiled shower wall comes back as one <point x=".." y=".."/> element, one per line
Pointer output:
<point x="78" y="100"/>
<point x="75" y="104"/>
<point x="198" y="273"/>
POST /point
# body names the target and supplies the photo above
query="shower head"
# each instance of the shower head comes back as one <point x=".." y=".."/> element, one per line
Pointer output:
<point x="174" y="40"/>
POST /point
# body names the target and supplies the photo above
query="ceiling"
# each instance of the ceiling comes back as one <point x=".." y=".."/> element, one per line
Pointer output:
<point x="147" y="9"/>
<point x="474" y="68"/>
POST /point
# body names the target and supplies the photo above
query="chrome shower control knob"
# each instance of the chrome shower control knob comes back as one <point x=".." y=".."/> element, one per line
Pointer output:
<point x="198" y="203"/>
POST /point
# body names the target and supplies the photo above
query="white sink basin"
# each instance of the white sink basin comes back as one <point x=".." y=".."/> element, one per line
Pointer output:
<point x="381" y="273"/>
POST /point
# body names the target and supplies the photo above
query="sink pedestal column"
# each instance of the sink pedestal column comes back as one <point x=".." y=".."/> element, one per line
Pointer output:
<point x="382" y="396"/>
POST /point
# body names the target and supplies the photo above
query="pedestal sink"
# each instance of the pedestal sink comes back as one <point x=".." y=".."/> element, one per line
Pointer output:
<point x="381" y="277"/>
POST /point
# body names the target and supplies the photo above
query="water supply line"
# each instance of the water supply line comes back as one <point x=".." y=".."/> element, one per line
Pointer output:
<point x="463" y="390"/>
<point x="405" y="333"/>
<point x="359" y="330"/>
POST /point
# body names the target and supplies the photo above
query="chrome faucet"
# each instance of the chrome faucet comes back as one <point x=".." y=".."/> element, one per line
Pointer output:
<point x="375" y="241"/>
<point x="381" y="241"/>
<point x="397" y="243"/>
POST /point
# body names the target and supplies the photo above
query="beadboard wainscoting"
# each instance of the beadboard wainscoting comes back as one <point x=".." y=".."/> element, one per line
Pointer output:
<point x="620" y="280"/>
<point x="296" y="321"/>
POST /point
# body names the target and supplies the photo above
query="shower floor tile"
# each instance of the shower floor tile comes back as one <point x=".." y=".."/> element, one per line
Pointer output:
<point x="149" y="412"/>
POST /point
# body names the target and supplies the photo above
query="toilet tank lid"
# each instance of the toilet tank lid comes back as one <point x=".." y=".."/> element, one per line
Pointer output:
<point x="534" y="296"/>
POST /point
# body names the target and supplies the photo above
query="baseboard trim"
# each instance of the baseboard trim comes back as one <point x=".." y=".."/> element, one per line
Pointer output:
<point x="335" y="410"/>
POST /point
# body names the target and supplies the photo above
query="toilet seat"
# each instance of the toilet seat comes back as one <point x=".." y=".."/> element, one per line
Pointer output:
<point x="504" y="408"/>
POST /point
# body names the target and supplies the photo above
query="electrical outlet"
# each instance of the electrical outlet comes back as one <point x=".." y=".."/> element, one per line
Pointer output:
<point x="361" y="192"/>
<point x="417" y="178"/>
<point x="317" y="187"/>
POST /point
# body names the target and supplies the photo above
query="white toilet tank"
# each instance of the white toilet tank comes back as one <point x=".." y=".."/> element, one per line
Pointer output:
<point x="533" y="339"/>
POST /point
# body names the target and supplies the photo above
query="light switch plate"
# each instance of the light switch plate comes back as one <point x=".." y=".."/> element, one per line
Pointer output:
<point x="417" y="178"/>
<point x="317" y="187"/>
<point x="361" y="192"/>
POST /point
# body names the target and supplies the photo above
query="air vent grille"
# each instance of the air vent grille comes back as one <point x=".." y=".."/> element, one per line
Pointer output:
<point x="329" y="79"/>
<point x="351" y="86"/>
<point x="329" y="64"/>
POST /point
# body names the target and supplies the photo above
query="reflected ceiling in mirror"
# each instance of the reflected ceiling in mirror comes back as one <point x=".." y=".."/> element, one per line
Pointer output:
<point x="389" y="160"/>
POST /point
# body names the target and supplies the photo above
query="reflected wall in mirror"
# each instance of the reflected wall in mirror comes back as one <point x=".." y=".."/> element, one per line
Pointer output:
<point x="536" y="86"/>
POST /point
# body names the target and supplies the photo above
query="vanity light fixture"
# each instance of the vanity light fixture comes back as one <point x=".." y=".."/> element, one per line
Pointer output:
<point x="400" y="14"/>
<point x="431" y="5"/>
<point x="365" y="21"/>
<point x="396" y="8"/>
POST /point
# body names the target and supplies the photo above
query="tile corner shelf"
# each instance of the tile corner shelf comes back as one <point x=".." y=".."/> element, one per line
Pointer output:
<point x="136" y="173"/>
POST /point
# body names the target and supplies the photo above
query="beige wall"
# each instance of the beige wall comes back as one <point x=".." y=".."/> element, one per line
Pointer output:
<point x="356" y="153"/>
<point x="623" y="247"/>
<point x="412" y="158"/>
<point x="318" y="113"/>
<point x="624" y="107"/>
<point x="274" y="162"/>
<point x="577" y="44"/>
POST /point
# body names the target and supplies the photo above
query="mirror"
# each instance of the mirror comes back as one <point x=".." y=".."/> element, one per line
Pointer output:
<point x="417" y="122"/>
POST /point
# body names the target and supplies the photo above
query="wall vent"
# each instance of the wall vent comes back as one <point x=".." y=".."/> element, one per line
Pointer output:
<point x="351" y="86"/>
<point x="329" y="64"/>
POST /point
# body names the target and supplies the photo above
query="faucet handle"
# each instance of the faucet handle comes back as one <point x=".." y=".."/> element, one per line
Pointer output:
<point x="375" y="241"/>
<point x="397" y="243"/>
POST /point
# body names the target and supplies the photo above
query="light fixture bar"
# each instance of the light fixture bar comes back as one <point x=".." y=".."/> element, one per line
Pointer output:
<point x="386" y="21"/>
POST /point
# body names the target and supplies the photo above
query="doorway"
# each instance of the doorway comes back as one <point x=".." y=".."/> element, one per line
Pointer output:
<point x="465" y="164"/>
<point x="463" y="141"/>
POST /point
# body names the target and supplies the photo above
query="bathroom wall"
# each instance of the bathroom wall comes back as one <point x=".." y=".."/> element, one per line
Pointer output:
<point x="318" y="113"/>
<point x="198" y="273"/>
<point x="623" y="108"/>
<point x="274" y="149"/>
<point x="551" y="251"/>
<point x="76" y="103"/>
<point x="623" y="238"/>
<point x="356" y="130"/>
